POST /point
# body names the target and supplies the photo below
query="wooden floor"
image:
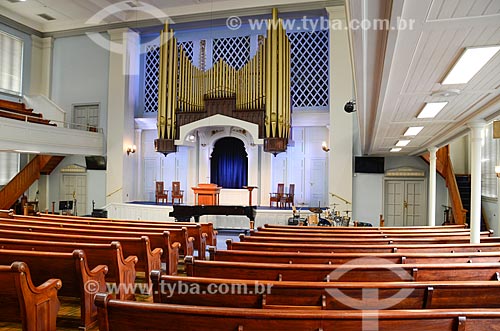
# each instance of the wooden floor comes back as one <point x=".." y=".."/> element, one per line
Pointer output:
<point x="68" y="317"/>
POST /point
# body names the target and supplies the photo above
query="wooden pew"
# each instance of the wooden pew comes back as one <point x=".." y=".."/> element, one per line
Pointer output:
<point x="452" y="228"/>
<point x="192" y="231"/>
<point x="356" y="271"/>
<point x="323" y="295"/>
<point x="117" y="315"/>
<point x="35" y="307"/>
<point x="360" y="240"/>
<point x="207" y="228"/>
<point x="156" y="239"/>
<point x="132" y="246"/>
<point x="72" y="269"/>
<point x="344" y="248"/>
<point x="121" y="271"/>
<point x="334" y="235"/>
<point x="341" y="258"/>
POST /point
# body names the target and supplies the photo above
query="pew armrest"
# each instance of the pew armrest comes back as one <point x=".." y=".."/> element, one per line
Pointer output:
<point x="173" y="259"/>
<point x="203" y="247"/>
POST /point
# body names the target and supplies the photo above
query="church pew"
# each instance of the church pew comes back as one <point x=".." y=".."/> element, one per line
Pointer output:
<point x="344" y="248"/>
<point x="73" y="271"/>
<point x="357" y="271"/>
<point x="239" y="293"/>
<point x="341" y="258"/>
<point x="24" y="117"/>
<point x="194" y="231"/>
<point x="35" y="307"/>
<point x="156" y="239"/>
<point x="121" y="271"/>
<point x="362" y="241"/>
<point x="132" y="246"/>
<point x="380" y="228"/>
<point x="207" y="228"/>
<point x="117" y="315"/>
<point x="267" y="233"/>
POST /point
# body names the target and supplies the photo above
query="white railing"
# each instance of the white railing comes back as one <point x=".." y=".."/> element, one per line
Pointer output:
<point x="49" y="109"/>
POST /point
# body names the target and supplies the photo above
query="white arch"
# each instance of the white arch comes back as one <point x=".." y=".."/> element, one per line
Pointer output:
<point x="221" y="121"/>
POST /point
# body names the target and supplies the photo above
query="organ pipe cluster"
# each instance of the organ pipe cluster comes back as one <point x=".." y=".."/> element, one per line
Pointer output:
<point x="262" y="84"/>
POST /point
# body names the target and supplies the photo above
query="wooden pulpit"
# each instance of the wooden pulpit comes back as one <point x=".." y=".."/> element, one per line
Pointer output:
<point x="207" y="194"/>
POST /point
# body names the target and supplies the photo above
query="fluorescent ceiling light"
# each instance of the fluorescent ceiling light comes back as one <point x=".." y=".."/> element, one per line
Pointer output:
<point x="395" y="149"/>
<point x="402" y="143"/>
<point x="26" y="152"/>
<point x="413" y="130"/>
<point x="431" y="109"/>
<point x="469" y="64"/>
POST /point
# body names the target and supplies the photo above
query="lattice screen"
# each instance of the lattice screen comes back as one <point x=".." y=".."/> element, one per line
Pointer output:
<point x="309" y="69"/>
<point x="235" y="51"/>
<point x="188" y="47"/>
<point x="152" y="67"/>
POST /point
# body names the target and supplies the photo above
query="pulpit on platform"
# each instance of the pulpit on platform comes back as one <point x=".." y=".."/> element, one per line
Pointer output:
<point x="207" y="194"/>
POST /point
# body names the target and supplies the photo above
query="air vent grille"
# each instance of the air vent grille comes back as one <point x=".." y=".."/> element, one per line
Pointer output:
<point x="47" y="17"/>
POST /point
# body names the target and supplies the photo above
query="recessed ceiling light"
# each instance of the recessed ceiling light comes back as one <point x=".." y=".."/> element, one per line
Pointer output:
<point x="469" y="64"/>
<point x="26" y="151"/>
<point x="395" y="149"/>
<point x="431" y="109"/>
<point x="413" y="130"/>
<point x="402" y="143"/>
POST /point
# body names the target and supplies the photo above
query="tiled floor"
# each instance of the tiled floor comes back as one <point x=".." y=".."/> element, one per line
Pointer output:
<point x="69" y="313"/>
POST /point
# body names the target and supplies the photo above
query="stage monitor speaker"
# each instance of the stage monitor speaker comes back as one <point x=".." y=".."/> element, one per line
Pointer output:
<point x="369" y="164"/>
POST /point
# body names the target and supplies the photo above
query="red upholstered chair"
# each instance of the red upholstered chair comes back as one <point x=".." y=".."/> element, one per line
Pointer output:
<point x="160" y="193"/>
<point x="177" y="193"/>
<point x="276" y="197"/>
<point x="287" y="198"/>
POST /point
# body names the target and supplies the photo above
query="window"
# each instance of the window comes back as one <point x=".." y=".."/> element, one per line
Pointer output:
<point x="11" y="64"/>
<point x="488" y="162"/>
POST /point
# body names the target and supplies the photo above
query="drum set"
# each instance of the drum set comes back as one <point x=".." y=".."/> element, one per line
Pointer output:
<point x="332" y="217"/>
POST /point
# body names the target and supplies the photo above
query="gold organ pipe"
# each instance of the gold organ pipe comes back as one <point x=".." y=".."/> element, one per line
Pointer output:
<point x="268" y="81"/>
<point x="175" y="74"/>
<point x="170" y="84"/>
<point x="274" y="80"/>
<point x="161" y="89"/>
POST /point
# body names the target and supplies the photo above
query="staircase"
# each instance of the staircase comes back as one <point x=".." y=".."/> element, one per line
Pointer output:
<point x="41" y="164"/>
<point x="445" y="168"/>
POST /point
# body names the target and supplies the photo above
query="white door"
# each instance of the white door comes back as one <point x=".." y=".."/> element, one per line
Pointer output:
<point x="318" y="182"/>
<point x="405" y="203"/>
<point x="75" y="187"/>
<point x="86" y="116"/>
<point x="150" y="169"/>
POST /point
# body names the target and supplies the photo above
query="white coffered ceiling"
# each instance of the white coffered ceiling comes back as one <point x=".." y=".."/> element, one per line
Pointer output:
<point x="398" y="70"/>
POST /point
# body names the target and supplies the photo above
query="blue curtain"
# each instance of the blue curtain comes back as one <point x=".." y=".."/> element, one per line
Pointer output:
<point x="229" y="163"/>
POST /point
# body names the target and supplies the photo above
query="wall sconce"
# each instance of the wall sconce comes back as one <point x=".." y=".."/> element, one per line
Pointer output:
<point x="324" y="147"/>
<point x="131" y="149"/>
<point x="497" y="171"/>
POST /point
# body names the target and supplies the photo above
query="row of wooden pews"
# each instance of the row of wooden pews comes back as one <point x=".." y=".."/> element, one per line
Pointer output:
<point x="18" y="111"/>
<point x="89" y="254"/>
<point x="427" y="285"/>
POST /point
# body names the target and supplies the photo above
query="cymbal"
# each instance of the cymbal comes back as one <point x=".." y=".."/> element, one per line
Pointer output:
<point x="316" y="210"/>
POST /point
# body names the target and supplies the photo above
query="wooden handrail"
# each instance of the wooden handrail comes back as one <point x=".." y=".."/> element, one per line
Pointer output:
<point x="22" y="181"/>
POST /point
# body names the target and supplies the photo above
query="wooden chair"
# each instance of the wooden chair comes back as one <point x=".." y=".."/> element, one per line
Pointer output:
<point x="177" y="193"/>
<point x="287" y="199"/>
<point x="276" y="197"/>
<point x="160" y="193"/>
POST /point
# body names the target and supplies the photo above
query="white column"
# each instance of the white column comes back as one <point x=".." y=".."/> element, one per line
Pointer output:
<point x="475" y="195"/>
<point x="41" y="65"/>
<point x="432" y="186"/>
<point x="123" y="91"/>
<point x="341" y="123"/>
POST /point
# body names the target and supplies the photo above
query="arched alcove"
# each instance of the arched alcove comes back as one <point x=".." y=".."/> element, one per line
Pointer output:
<point x="229" y="163"/>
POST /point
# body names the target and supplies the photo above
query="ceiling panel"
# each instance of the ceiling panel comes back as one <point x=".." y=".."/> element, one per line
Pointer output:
<point x="456" y="9"/>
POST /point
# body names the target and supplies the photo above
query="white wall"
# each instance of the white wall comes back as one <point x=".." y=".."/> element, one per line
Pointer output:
<point x="459" y="154"/>
<point x="491" y="211"/>
<point x="368" y="190"/>
<point x="80" y="75"/>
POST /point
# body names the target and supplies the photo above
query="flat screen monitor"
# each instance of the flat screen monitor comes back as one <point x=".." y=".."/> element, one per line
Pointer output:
<point x="66" y="205"/>
<point x="369" y="164"/>
<point x="95" y="162"/>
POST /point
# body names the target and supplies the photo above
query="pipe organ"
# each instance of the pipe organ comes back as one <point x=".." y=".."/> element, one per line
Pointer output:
<point x="259" y="92"/>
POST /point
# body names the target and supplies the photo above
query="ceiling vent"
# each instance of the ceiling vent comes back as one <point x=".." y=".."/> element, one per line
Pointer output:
<point x="47" y="17"/>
